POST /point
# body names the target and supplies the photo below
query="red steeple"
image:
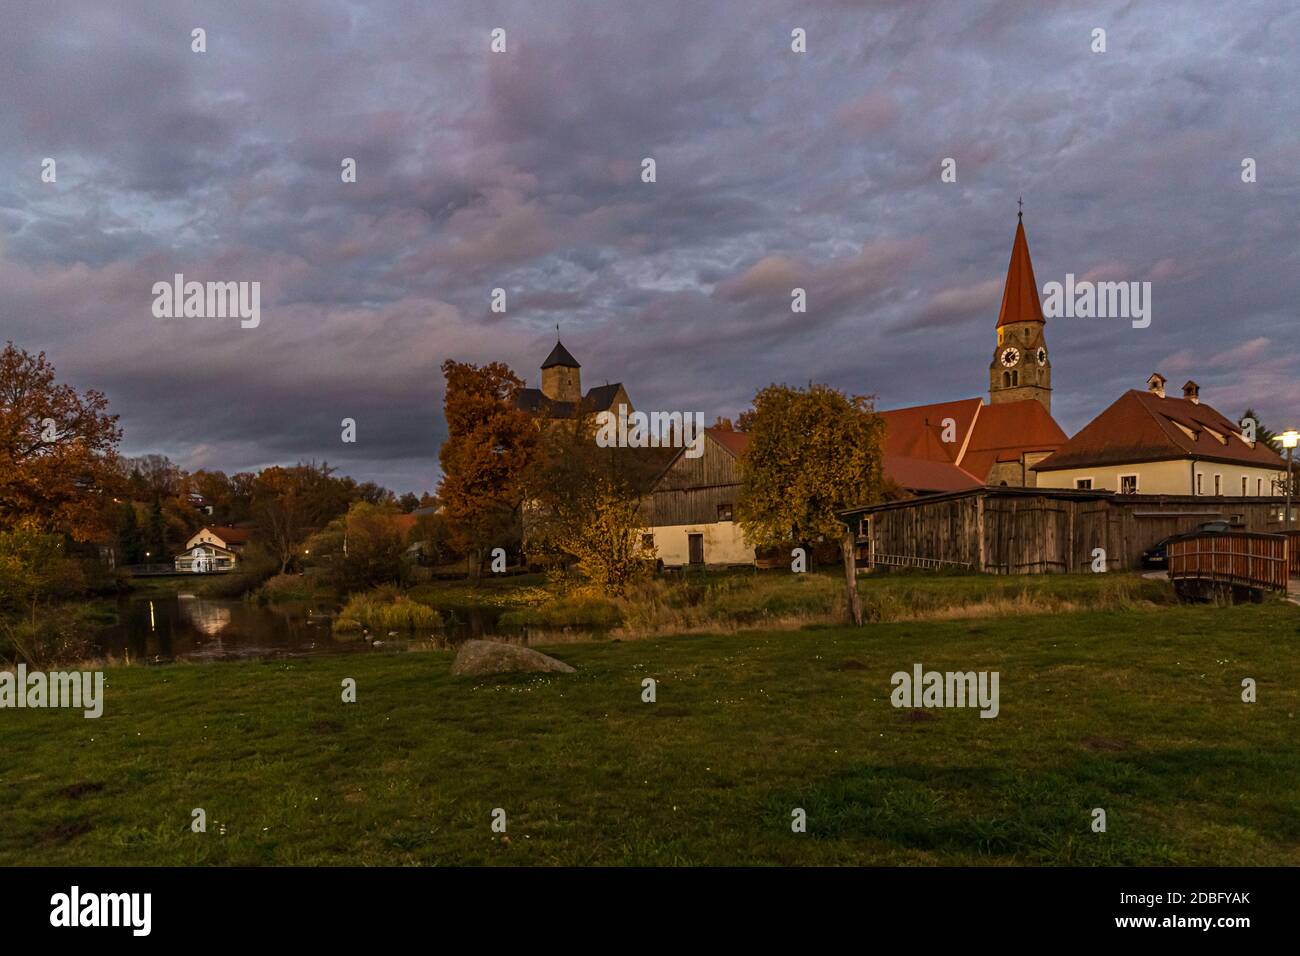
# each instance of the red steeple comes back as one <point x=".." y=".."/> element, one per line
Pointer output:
<point x="1020" y="296"/>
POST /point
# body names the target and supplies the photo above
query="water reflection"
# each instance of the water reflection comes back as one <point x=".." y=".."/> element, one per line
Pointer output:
<point x="185" y="627"/>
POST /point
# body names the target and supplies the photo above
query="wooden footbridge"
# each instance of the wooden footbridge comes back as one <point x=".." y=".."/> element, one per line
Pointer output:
<point x="1235" y="563"/>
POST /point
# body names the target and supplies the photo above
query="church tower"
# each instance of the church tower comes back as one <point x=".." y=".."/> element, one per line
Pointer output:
<point x="561" y="376"/>
<point x="1020" y="368"/>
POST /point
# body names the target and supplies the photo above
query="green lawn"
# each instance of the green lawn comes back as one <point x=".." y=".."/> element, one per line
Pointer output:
<point x="1138" y="712"/>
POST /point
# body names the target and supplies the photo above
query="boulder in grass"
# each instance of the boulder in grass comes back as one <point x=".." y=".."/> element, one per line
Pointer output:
<point x="481" y="658"/>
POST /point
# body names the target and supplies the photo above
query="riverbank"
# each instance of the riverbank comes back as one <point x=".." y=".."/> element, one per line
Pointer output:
<point x="1136" y="712"/>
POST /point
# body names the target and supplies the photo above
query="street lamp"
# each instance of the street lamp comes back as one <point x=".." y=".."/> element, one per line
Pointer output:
<point x="1289" y="439"/>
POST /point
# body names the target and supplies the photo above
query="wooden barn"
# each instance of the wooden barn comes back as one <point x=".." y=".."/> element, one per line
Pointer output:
<point x="1039" y="530"/>
<point x="690" y="511"/>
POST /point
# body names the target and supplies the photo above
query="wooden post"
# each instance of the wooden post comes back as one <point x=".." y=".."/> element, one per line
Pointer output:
<point x="851" y="575"/>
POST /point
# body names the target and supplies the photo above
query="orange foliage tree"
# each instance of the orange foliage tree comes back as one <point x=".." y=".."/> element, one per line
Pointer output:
<point x="490" y="443"/>
<point x="58" y="450"/>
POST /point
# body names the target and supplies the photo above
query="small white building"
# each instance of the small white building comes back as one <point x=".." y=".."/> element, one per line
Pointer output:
<point x="212" y="549"/>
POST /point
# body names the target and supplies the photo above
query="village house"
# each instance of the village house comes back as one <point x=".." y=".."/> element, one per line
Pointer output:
<point x="1152" y="443"/>
<point x="212" y="549"/>
<point x="691" y="509"/>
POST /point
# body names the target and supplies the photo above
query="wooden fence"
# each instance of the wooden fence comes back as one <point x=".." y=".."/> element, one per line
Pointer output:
<point x="1235" y="558"/>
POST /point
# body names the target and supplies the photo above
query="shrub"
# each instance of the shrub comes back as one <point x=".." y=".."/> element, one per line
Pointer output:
<point x="383" y="610"/>
<point x="60" y="635"/>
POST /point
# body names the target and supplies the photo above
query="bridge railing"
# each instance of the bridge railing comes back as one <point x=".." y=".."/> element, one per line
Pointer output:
<point x="1240" y="558"/>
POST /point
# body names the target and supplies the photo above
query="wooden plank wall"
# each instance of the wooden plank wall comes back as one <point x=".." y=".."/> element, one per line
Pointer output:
<point x="1039" y="534"/>
<point x="691" y="490"/>
<point x="947" y="530"/>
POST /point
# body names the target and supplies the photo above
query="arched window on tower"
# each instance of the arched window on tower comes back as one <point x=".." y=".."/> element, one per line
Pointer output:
<point x="1015" y="377"/>
<point x="1006" y="379"/>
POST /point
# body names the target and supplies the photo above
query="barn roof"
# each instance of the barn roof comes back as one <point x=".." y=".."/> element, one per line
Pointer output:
<point x="1142" y="426"/>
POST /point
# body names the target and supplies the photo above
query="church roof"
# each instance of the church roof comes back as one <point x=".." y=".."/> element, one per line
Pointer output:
<point x="1142" y="426"/>
<point x="560" y="356"/>
<point x="598" y="399"/>
<point x="917" y="457"/>
<point x="1020" y="294"/>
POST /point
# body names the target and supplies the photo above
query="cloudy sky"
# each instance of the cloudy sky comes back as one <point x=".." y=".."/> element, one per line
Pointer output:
<point x="521" y="170"/>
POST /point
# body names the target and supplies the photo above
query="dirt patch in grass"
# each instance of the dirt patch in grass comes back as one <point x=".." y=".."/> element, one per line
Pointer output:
<point x="63" y="832"/>
<point x="80" y="789"/>
<point x="1106" y="744"/>
<point x="849" y="665"/>
<point x="671" y="712"/>
<point x="919" y="717"/>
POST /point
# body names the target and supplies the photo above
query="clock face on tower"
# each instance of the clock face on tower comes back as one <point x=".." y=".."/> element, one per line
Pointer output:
<point x="1010" y="356"/>
<point x="1042" y="355"/>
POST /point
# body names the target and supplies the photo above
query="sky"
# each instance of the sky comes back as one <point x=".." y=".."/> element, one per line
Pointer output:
<point x="522" y="170"/>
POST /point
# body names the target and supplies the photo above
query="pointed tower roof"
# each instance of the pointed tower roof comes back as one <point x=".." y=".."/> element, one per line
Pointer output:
<point x="1020" y="296"/>
<point x="560" y="356"/>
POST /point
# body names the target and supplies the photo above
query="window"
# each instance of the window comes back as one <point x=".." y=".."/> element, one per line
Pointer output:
<point x="1128" y="484"/>
<point x="725" y="512"/>
<point x="1083" y="484"/>
<point x="1244" y="480"/>
<point x="648" y="542"/>
<point x="1259" y="487"/>
<point x="1199" y="489"/>
<point x="1218" y="484"/>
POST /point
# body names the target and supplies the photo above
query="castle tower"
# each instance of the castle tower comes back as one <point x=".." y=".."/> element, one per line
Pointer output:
<point x="1020" y="368"/>
<point x="561" y="378"/>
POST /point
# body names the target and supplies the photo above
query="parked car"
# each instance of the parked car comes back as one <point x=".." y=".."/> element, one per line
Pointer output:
<point x="1157" y="556"/>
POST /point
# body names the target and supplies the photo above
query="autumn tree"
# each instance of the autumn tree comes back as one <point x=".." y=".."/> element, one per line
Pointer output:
<point x="290" y="503"/>
<point x="57" y="450"/>
<point x="811" y="453"/>
<point x="362" y="548"/>
<point x="231" y="497"/>
<point x="490" y="443"/>
<point x="584" y="504"/>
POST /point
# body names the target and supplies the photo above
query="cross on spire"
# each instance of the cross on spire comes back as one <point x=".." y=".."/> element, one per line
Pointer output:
<point x="1020" y="215"/>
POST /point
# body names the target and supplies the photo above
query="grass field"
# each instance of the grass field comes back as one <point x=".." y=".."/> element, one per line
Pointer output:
<point x="1138" y="712"/>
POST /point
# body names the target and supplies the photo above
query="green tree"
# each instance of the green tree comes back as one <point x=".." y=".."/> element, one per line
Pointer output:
<point x="130" y="542"/>
<point x="155" y="536"/>
<point x="811" y="452"/>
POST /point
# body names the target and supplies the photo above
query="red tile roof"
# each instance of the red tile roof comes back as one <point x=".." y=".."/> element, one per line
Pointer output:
<point x="921" y="475"/>
<point x="983" y="435"/>
<point x="231" y="535"/>
<point x="734" y="442"/>
<point x="1142" y="426"/>
<point x="1020" y="295"/>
